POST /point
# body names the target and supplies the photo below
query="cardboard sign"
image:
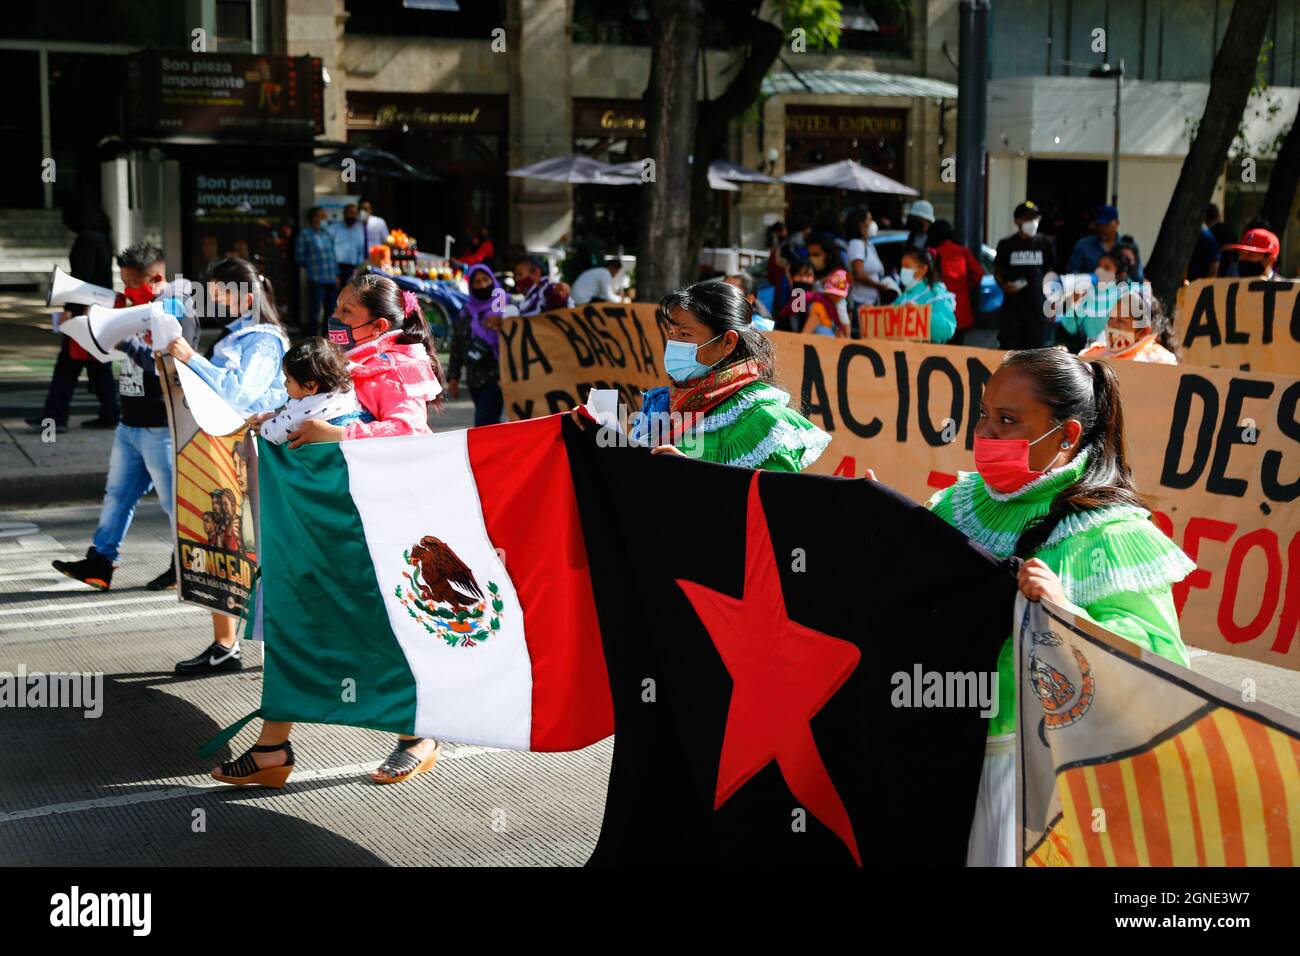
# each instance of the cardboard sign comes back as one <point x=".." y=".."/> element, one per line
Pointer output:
<point x="1215" y="452"/>
<point x="1249" y="324"/>
<point x="216" y="527"/>
<point x="550" y="361"/>
<point x="908" y="322"/>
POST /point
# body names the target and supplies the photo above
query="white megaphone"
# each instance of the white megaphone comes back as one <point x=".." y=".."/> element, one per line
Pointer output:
<point x="105" y="328"/>
<point x="64" y="289"/>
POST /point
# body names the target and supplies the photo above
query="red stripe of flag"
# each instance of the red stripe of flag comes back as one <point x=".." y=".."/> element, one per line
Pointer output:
<point x="531" y="514"/>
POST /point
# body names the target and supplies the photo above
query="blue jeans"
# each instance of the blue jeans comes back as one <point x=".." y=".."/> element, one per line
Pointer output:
<point x="141" y="460"/>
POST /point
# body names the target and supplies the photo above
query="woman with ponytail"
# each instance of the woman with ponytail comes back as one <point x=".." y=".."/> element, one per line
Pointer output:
<point x="244" y="366"/>
<point x="394" y="369"/>
<point x="723" y="404"/>
<point x="1053" y="487"/>
<point x="396" y="374"/>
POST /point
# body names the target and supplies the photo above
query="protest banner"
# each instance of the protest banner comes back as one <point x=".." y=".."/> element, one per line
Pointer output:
<point x="550" y="361"/>
<point x="1198" y="775"/>
<point x="908" y="322"/>
<point x="1214" y="451"/>
<point x="215" y="526"/>
<point x="1248" y="324"/>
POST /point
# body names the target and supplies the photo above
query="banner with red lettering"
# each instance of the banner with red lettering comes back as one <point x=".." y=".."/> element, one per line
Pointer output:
<point x="1216" y="452"/>
<point x="908" y="322"/>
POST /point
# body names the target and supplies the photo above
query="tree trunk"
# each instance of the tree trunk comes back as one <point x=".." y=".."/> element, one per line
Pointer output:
<point x="1283" y="182"/>
<point x="663" y="258"/>
<point x="1230" y="83"/>
<point x="762" y="42"/>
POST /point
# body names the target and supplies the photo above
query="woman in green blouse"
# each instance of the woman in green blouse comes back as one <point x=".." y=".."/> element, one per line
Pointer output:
<point x="1053" y="486"/>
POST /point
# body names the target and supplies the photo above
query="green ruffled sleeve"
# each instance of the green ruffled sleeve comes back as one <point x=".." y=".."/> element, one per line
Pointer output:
<point x="1120" y="574"/>
<point x="1149" y="620"/>
<point x="765" y="435"/>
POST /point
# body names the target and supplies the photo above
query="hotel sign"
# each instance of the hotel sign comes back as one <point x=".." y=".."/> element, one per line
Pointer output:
<point x="828" y="123"/>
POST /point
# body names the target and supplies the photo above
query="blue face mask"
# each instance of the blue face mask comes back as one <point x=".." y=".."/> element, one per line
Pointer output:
<point x="680" y="363"/>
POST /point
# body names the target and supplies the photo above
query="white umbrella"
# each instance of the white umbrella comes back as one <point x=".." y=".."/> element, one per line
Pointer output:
<point x="846" y="174"/>
<point x="716" y="181"/>
<point x="576" y="168"/>
<point x="734" y="172"/>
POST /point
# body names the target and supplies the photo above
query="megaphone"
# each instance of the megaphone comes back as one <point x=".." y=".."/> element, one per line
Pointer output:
<point x="105" y="328"/>
<point x="64" y="289"/>
<point x="76" y="328"/>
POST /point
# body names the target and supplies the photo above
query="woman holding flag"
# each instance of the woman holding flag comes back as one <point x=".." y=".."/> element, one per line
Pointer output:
<point x="1053" y="487"/>
<point x="396" y="374"/>
<point x="242" y="366"/>
<point x="723" y="404"/>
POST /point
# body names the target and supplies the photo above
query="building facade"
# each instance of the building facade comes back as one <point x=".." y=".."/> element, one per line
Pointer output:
<point x="1051" y="126"/>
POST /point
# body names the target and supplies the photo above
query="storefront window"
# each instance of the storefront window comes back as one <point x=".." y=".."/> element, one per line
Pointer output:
<point x="461" y="139"/>
<point x="1171" y="40"/>
<point x="158" y="24"/>
<point x="475" y="20"/>
<point x="882" y="27"/>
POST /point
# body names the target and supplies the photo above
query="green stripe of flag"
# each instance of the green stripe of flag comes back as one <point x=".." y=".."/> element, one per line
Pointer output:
<point x="325" y="622"/>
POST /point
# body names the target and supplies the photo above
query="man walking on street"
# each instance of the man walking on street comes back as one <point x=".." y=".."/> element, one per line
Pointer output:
<point x="90" y="260"/>
<point x="142" y="457"/>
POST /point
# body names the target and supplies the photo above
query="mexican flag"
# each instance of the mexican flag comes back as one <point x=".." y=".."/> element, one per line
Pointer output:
<point x="434" y="585"/>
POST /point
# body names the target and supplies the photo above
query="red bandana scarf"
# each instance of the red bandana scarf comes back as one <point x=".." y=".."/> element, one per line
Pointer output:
<point x="703" y="393"/>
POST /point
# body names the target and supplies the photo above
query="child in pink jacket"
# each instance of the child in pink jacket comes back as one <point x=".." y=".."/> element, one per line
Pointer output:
<point x="394" y="371"/>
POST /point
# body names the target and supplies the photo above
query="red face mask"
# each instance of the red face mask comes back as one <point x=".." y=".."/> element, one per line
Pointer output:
<point x="138" y="294"/>
<point x="1003" y="463"/>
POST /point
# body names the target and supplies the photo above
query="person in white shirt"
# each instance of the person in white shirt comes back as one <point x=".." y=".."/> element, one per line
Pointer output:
<point x="376" y="229"/>
<point x="864" y="262"/>
<point x="597" y="284"/>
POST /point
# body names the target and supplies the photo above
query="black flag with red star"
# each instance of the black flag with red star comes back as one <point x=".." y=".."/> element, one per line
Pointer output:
<point x="753" y="626"/>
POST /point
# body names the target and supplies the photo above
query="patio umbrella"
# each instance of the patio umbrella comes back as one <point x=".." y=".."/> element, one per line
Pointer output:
<point x="633" y="168"/>
<point x="373" y="161"/>
<point x="576" y="168"/>
<point x="846" y="174"/>
<point x="734" y="172"/>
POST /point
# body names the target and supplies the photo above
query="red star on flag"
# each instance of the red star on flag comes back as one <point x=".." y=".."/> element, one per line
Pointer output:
<point x="782" y="674"/>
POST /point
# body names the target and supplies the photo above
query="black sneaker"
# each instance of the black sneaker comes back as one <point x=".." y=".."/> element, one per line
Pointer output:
<point x="101" y="423"/>
<point x="165" y="581"/>
<point x="94" y="569"/>
<point x="215" y="659"/>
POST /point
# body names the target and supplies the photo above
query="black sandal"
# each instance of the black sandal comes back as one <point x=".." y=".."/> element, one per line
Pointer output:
<point x="244" y="771"/>
<point x="401" y="764"/>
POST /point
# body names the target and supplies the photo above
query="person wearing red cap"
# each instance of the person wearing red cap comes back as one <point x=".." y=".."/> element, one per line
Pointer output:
<point x="1257" y="254"/>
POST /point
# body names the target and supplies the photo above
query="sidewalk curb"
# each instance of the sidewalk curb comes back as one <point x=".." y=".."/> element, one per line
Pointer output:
<point x="44" y="489"/>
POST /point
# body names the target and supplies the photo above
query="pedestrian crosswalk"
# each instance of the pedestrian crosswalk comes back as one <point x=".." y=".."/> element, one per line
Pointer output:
<point x="37" y="602"/>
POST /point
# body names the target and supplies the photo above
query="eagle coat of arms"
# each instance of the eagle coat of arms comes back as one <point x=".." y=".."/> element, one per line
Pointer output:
<point x="440" y="592"/>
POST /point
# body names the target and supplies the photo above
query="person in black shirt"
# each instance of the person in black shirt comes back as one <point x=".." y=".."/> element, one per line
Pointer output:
<point x="90" y="260"/>
<point x="142" y="456"/>
<point x="1023" y="261"/>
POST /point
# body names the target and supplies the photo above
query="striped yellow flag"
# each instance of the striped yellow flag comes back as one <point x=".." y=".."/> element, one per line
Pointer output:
<point x="1127" y="759"/>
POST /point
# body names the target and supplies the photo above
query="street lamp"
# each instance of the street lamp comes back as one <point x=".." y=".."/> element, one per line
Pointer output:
<point x="1105" y="72"/>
